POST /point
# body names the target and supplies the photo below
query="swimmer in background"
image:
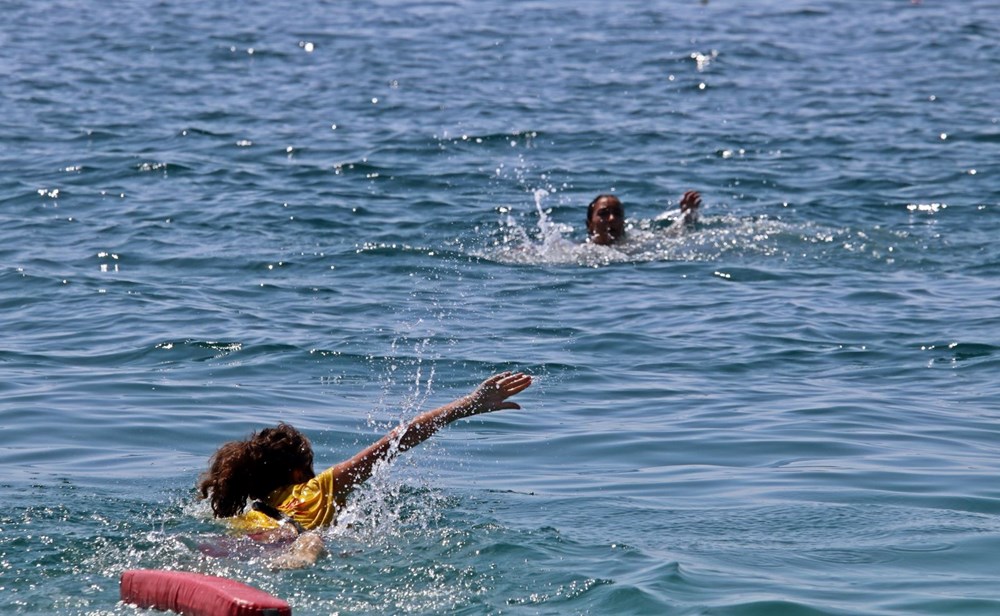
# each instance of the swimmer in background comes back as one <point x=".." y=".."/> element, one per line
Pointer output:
<point x="273" y="469"/>
<point x="606" y="217"/>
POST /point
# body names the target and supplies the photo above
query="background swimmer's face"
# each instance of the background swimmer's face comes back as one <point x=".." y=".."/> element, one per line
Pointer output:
<point x="606" y="224"/>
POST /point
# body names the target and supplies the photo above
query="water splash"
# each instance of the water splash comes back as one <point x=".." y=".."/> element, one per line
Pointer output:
<point x="665" y="237"/>
<point x="549" y="231"/>
<point x="549" y="244"/>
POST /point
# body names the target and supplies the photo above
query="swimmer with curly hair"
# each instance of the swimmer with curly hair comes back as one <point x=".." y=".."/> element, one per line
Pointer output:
<point x="273" y="471"/>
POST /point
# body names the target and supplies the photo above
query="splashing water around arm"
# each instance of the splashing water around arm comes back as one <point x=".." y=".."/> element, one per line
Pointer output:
<point x="491" y="395"/>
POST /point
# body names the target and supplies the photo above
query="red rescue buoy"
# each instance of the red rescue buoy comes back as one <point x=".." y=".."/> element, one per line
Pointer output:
<point x="195" y="594"/>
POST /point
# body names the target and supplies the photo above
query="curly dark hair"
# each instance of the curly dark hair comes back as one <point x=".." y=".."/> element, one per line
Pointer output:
<point x="252" y="469"/>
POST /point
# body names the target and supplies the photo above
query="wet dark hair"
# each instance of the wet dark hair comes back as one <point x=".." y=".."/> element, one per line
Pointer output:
<point x="252" y="469"/>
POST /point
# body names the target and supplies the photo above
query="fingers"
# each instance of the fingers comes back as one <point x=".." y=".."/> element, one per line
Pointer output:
<point x="515" y="383"/>
<point x="496" y="378"/>
<point x="691" y="200"/>
<point x="508" y="379"/>
<point x="508" y="383"/>
<point x="492" y="394"/>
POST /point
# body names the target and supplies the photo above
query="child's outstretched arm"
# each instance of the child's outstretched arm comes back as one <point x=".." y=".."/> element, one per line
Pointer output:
<point x="491" y="395"/>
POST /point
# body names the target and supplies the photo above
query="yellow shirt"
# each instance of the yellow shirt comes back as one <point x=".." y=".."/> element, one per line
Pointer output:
<point x="311" y="504"/>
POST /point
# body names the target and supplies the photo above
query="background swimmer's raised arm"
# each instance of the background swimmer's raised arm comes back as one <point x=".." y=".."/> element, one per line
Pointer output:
<point x="491" y="395"/>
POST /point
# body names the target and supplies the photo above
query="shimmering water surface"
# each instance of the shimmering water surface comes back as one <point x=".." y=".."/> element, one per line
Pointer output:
<point x="218" y="215"/>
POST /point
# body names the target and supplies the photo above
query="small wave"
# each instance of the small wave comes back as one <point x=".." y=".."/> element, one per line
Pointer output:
<point x="194" y="130"/>
<point x="198" y="350"/>
<point x="513" y="138"/>
<point x="952" y="353"/>
<point x="359" y="168"/>
<point x="162" y="167"/>
<point x="102" y="134"/>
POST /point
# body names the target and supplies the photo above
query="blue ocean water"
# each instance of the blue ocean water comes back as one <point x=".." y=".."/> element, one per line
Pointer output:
<point x="218" y="215"/>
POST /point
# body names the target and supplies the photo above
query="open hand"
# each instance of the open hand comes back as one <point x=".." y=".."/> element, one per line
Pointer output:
<point x="492" y="394"/>
<point x="690" y="201"/>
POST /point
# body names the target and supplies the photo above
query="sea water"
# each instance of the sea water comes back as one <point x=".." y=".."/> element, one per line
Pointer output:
<point x="218" y="215"/>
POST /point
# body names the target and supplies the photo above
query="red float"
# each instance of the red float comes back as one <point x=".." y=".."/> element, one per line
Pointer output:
<point x="195" y="594"/>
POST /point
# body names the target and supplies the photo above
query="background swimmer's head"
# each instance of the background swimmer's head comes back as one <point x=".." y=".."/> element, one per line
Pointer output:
<point x="605" y="220"/>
